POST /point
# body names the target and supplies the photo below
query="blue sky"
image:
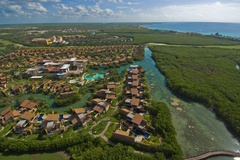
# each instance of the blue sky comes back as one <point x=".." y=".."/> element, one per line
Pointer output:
<point x="77" y="11"/>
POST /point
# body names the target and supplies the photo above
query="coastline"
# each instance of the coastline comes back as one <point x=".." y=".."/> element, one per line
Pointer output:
<point x="225" y="29"/>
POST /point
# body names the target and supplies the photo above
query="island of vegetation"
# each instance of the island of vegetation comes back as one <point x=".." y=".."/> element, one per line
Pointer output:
<point x="52" y="98"/>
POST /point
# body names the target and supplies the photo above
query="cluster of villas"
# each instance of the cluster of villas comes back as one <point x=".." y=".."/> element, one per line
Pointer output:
<point x="100" y="104"/>
<point x="56" y="87"/>
<point x="92" y="54"/>
<point x="28" y="120"/>
<point x="3" y="81"/>
<point x="133" y="126"/>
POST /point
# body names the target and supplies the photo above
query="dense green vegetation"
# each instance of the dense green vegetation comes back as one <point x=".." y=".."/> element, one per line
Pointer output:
<point x="143" y="36"/>
<point x="101" y="34"/>
<point x="78" y="145"/>
<point x="99" y="150"/>
<point x="64" y="101"/>
<point x="207" y="75"/>
<point x="161" y="120"/>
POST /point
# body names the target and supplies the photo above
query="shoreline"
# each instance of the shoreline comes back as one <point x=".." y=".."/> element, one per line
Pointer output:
<point x="204" y="28"/>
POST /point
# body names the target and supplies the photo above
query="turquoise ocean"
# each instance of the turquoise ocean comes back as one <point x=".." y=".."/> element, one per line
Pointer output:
<point x="207" y="28"/>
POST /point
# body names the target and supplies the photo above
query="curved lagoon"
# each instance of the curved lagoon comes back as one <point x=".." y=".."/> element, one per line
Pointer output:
<point x="198" y="129"/>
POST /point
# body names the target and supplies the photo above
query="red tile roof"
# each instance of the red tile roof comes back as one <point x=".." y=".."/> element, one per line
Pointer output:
<point x="111" y="86"/>
<point x="8" y="116"/>
<point x="134" y="91"/>
<point x="135" y="83"/>
<point x="24" y="103"/>
<point x="137" y="119"/>
<point x="74" y="121"/>
<point x="98" y="109"/>
<point x="135" y="101"/>
<point x="6" y="111"/>
<point x="134" y="77"/>
<point x="97" y="100"/>
<point x="28" y="116"/>
<point x="123" y="133"/>
<point x="135" y="71"/>
<point x="110" y="96"/>
<point x="31" y="105"/>
<point x="52" y="117"/>
<point x="16" y="113"/>
<point x="79" y="110"/>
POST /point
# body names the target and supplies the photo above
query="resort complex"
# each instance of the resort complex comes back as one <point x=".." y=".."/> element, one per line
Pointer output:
<point x="116" y="91"/>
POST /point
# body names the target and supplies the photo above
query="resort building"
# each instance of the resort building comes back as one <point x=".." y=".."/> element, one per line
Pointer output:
<point x="28" y="106"/>
<point x="6" y="116"/>
<point x="79" y="117"/>
<point x="25" y="123"/>
<point x="42" y="41"/>
<point x="53" y="122"/>
<point x="3" y="81"/>
<point x="58" y="68"/>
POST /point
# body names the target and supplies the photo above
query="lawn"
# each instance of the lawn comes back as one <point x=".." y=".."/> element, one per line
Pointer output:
<point x="154" y="140"/>
<point x="110" y="130"/>
<point x="148" y="119"/>
<point x="5" y="43"/>
<point x="99" y="128"/>
<point x="115" y="118"/>
<point x="109" y="112"/>
<point x="7" y="128"/>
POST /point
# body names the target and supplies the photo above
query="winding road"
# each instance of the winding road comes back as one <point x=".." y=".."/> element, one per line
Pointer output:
<point x="106" y="127"/>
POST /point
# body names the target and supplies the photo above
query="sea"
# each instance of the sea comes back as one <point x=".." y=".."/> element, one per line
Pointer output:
<point x="206" y="28"/>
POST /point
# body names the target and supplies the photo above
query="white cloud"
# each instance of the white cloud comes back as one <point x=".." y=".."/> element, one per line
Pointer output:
<point x="5" y="14"/>
<point x="133" y="3"/>
<point x="82" y="9"/>
<point x="115" y="1"/>
<point x="16" y="8"/>
<point x="66" y="8"/>
<point x="216" y="12"/>
<point x="36" y="6"/>
<point x="39" y="0"/>
<point x="135" y="10"/>
<point x="122" y="7"/>
<point x="95" y="9"/>
<point x="50" y="0"/>
<point x="109" y="11"/>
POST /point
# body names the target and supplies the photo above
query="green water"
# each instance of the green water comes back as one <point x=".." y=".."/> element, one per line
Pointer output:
<point x="50" y="101"/>
<point x="198" y="129"/>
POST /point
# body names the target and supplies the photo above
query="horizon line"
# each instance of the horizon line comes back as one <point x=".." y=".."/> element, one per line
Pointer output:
<point x="113" y="22"/>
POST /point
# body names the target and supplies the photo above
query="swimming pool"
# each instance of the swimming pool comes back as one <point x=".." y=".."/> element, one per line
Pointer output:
<point x="60" y="117"/>
<point x="92" y="78"/>
<point x="40" y="117"/>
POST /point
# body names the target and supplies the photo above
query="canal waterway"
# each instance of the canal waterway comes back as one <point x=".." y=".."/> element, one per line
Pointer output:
<point x="51" y="100"/>
<point x="198" y="129"/>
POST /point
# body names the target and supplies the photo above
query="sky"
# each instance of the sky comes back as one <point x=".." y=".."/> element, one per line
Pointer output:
<point x="103" y="11"/>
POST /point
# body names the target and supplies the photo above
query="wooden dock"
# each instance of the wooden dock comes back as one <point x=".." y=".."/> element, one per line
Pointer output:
<point x="214" y="154"/>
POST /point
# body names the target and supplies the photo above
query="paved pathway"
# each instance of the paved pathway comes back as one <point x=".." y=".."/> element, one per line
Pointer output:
<point x="105" y="119"/>
<point x="106" y="128"/>
<point x="2" y="129"/>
